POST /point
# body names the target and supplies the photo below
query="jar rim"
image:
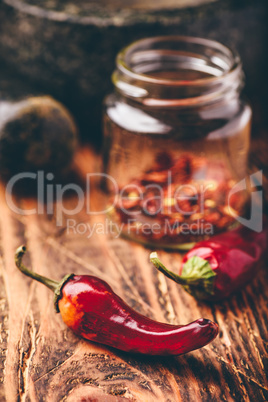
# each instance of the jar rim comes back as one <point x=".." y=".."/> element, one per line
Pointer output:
<point x="234" y="67"/>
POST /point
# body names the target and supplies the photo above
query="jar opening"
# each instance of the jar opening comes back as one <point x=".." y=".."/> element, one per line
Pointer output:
<point x="177" y="67"/>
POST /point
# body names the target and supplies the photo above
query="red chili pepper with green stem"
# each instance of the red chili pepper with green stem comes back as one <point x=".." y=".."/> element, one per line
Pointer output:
<point x="93" y="311"/>
<point x="215" y="268"/>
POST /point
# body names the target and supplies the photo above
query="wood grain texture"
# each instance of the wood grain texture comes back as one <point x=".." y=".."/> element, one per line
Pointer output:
<point x="42" y="360"/>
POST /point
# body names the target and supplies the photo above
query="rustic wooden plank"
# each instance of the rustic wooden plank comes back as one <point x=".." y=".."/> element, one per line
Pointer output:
<point x="42" y="360"/>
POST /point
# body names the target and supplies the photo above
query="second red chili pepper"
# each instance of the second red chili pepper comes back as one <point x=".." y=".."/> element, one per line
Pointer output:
<point x="93" y="311"/>
<point x="215" y="268"/>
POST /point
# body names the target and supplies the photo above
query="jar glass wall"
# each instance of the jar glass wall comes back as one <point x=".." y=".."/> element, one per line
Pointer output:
<point x="176" y="140"/>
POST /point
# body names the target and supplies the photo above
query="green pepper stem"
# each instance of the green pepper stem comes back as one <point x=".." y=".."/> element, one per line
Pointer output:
<point x="161" y="267"/>
<point x="52" y="285"/>
<point x="197" y="276"/>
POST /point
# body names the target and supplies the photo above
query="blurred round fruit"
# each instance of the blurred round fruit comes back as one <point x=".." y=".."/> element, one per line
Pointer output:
<point x="36" y="133"/>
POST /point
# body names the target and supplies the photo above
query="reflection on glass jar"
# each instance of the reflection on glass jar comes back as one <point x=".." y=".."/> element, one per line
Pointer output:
<point x="176" y="141"/>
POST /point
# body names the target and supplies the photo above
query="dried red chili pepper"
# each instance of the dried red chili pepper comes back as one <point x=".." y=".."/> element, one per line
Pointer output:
<point x="92" y="310"/>
<point x="215" y="268"/>
<point x="190" y="187"/>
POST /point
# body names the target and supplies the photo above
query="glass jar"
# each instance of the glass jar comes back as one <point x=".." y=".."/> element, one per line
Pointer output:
<point x="176" y="141"/>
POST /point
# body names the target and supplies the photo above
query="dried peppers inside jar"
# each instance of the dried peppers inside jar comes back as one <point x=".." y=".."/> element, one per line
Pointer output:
<point x="176" y="141"/>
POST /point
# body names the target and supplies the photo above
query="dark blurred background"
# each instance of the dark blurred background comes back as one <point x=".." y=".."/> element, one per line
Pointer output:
<point x="68" y="49"/>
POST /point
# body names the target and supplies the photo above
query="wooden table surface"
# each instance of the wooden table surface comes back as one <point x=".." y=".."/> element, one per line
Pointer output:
<point x="42" y="360"/>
